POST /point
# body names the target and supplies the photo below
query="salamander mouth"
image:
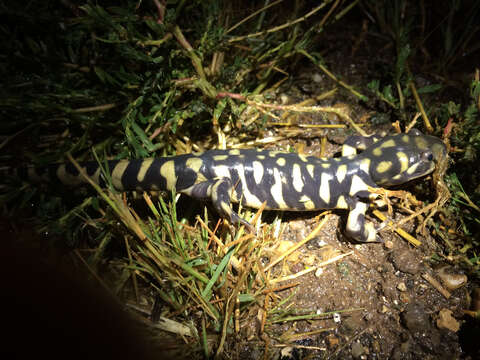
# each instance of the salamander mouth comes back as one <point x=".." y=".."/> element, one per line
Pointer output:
<point x="415" y="171"/>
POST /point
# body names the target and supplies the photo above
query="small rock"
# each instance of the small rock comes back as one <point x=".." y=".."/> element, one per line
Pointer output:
<point x="287" y="353"/>
<point x="319" y="272"/>
<point x="357" y="350"/>
<point x="451" y="279"/>
<point x="415" y="318"/>
<point x="402" y="287"/>
<point x="404" y="298"/>
<point x="296" y="225"/>
<point x="447" y="321"/>
<point x="388" y="244"/>
<point x="332" y="341"/>
<point x="309" y="260"/>
<point x="400" y="352"/>
<point x="316" y="77"/>
<point x="285" y="99"/>
<point x="405" y="261"/>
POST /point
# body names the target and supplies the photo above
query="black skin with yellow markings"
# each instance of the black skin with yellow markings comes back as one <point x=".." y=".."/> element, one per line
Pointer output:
<point x="284" y="181"/>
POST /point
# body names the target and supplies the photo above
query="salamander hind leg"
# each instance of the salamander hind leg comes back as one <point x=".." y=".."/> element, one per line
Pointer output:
<point x="220" y="190"/>
<point x="357" y="228"/>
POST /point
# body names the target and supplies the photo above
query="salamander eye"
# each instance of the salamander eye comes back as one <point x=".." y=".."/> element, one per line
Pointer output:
<point x="428" y="155"/>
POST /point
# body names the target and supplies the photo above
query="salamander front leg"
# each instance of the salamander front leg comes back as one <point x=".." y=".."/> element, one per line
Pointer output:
<point x="219" y="191"/>
<point x="357" y="228"/>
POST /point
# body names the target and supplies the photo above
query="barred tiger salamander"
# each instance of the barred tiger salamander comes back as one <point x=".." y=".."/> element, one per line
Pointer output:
<point x="284" y="181"/>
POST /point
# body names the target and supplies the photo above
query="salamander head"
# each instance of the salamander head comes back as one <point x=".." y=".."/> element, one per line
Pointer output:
<point x="401" y="158"/>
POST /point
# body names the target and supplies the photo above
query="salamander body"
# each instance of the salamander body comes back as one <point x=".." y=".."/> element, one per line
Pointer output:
<point x="284" y="181"/>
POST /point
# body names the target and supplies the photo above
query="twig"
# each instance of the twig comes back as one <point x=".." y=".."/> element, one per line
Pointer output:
<point x="94" y="108"/>
<point x="252" y="15"/>
<point x="306" y="271"/>
<point x="436" y="285"/>
<point x="280" y="27"/>
<point x="333" y="77"/>
<point x="296" y="246"/>
<point x="398" y="230"/>
<point x="427" y="123"/>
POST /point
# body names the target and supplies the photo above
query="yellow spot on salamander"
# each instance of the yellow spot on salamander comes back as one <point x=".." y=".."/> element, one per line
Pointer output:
<point x="348" y="150"/>
<point x="281" y="161"/>
<point x="371" y="232"/>
<point x="276" y="190"/>
<point x="357" y="185"/>
<point x="341" y="203"/>
<point x="117" y="174"/>
<point x="227" y="209"/>
<point x="297" y="178"/>
<point x="167" y="170"/>
<point x="249" y="198"/>
<point x="143" y="169"/>
<point x="384" y="166"/>
<point x="302" y="157"/>
<point x="325" y="187"/>
<point x="220" y="157"/>
<point x="403" y="160"/>
<point x="311" y="170"/>
<point x="194" y="163"/>
<point x="341" y="173"/>
<point x="377" y="152"/>
<point x="64" y="176"/>
<point x="307" y="202"/>
<point x="325" y="165"/>
<point x="388" y="143"/>
<point x="257" y="171"/>
<point x="212" y="190"/>
<point x="406" y="139"/>
<point x="234" y="152"/>
<point x="421" y="142"/>
<point x="261" y="157"/>
<point x="221" y="171"/>
<point x="412" y="169"/>
<point x="365" y="165"/>
<point x="353" y="221"/>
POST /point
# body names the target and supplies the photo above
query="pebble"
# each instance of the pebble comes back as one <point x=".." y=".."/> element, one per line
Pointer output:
<point x="402" y="287"/>
<point x="357" y="350"/>
<point x="404" y="298"/>
<point x="405" y="261"/>
<point x="445" y="320"/>
<point x="416" y="318"/>
<point x="451" y="279"/>
<point x="388" y="244"/>
<point x="317" y="78"/>
<point x="332" y="341"/>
